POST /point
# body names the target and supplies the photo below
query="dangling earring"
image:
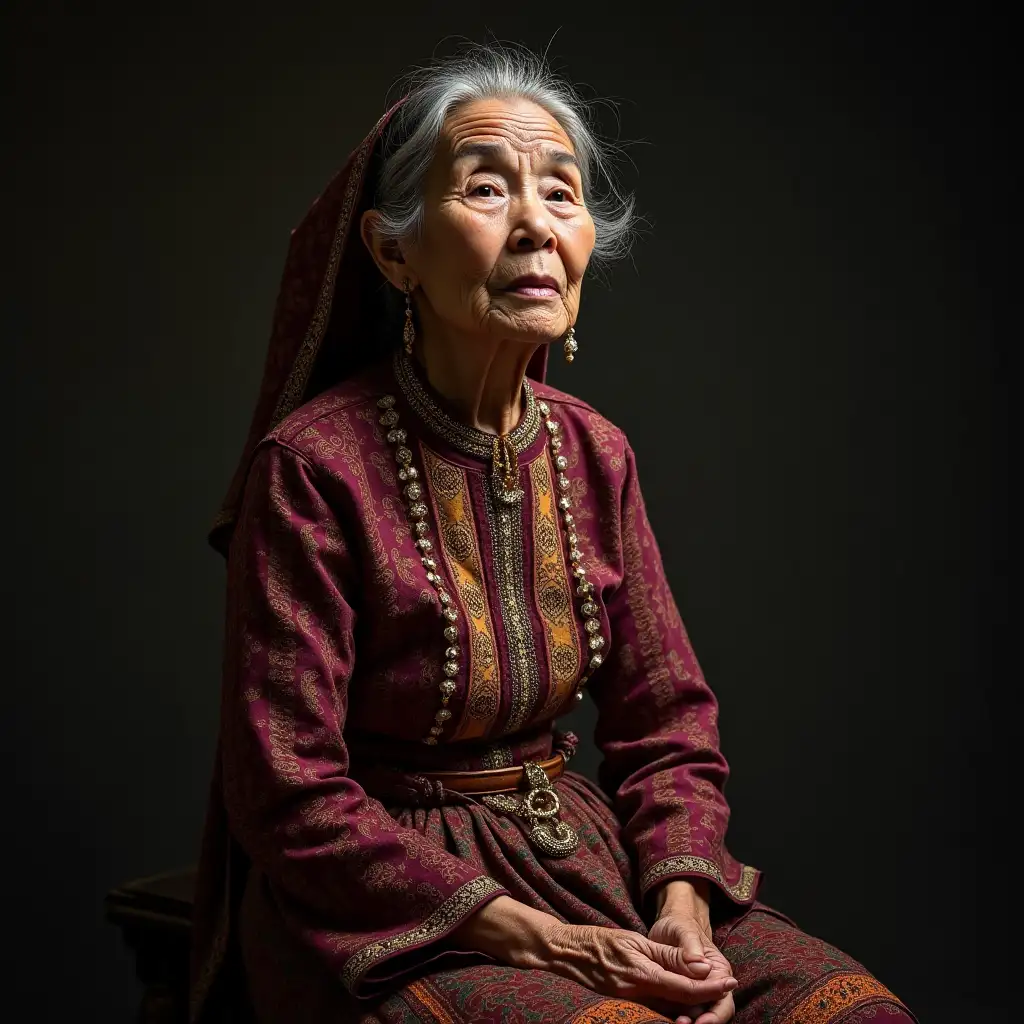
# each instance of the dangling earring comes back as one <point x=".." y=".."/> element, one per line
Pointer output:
<point x="571" y="346"/>
<point x="409" y="331"/>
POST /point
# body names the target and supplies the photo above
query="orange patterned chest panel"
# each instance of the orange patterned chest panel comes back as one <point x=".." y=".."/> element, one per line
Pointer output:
<point x="460" y="548"/>
<point x="551" y="588"/>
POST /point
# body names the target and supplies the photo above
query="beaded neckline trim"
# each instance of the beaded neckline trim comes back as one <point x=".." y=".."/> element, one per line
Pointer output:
<point x="461" y="437"/>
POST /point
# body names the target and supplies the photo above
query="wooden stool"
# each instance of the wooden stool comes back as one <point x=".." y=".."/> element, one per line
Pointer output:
<point x="155" y="918"/>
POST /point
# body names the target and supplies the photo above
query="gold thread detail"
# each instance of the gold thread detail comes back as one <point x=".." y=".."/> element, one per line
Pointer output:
<point x="507" y="544"/>
<point x="461" y="437"/>
<point x="742" y="891"/>
<point x="456" y="531"/>
<point x="346" y="444"/>
<point x="437" y="924"/>
<point x="497" y="756"/>
<point x="648" y="634"/>
<point x="622" y="1011"/>
<point x="551" y="588"/>
<point x="837" y="995"/>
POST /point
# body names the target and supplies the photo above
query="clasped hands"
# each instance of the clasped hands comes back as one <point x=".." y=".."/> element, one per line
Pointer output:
<point x="684" y="925"/>
<point x="676" y="965"/>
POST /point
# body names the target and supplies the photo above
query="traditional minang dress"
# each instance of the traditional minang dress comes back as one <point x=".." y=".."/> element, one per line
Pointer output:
<point x="407" y="597"/>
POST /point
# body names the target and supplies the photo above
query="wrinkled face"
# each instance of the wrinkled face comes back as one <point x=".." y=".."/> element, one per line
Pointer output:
<point x="506" y="235"/>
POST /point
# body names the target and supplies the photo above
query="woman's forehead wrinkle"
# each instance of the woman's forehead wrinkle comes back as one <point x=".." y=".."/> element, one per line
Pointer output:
<point x="520" y="131"/>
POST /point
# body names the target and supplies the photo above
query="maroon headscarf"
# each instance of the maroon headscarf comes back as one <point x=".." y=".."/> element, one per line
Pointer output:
<point x="323" y="328"/>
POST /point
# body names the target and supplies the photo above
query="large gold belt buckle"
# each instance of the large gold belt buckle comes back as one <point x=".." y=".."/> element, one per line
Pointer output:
<point x="539" y="807"/>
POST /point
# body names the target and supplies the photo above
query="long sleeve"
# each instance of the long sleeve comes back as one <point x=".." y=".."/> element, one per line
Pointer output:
<point x="358" y="889"/>
<point x="657" y="724"/>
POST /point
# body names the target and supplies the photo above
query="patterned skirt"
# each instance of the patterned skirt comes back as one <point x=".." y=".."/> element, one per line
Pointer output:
<point x="784" y="975"/>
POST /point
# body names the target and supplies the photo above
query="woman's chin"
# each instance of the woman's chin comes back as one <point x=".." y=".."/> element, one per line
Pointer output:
<point x="532" y="339"/>
<point x="533" y="329"/>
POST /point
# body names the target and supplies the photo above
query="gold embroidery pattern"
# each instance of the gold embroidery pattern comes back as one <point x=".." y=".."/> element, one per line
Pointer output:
<point x="310" y="695"/>
<point x="460" y="546"/>
<point x="497" y="756"/>
<point x="437" y="924"/>
<point x="551" y="585"/>
<point x="461" y="437"/>
<point x="507" y="542"/>
<point x="677" y="814"/>
<point x="604" y="435"/>
<point x="346" y="444"/>
<point x="622" y="1011"/>
<point x="298" y="376"/>
<point x="406" y="568"/>
<point x="647" y="632"/>
<point x="836" y="996"/>
<point x="382" y="463"/>
<point x="282" y="663"/>
<point x="743" y="890"/>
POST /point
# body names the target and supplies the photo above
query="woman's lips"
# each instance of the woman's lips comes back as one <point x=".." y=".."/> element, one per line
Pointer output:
<point x="534" y="288"/>
<point x="534" y="292"/>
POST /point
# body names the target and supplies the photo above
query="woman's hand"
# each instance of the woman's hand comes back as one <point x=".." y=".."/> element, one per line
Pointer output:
<point x="611" y="961"/>
<point x="684" y="923"/>
<point x="624" y="964"/>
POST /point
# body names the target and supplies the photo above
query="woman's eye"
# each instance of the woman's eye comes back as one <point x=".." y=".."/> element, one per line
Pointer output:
<point x="484" y="191"/>
<point x="559" y="195"/>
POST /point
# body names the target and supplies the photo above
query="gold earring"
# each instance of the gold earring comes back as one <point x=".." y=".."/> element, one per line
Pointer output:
<point x="571" y="346"/>
<point x="409" y="330"/>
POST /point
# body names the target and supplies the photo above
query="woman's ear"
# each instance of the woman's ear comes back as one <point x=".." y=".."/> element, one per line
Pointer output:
<point x="386" y="252"/>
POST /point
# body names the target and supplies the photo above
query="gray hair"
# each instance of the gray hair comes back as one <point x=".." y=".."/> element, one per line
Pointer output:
<point x="486" y="72"/>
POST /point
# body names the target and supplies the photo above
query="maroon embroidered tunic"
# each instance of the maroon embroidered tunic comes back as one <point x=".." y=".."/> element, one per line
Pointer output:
<point x="336" y="656"/>
<point x="395" y="605"/>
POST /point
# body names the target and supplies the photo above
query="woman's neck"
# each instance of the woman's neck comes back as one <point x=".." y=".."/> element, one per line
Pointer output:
<point x="482" y="381"/>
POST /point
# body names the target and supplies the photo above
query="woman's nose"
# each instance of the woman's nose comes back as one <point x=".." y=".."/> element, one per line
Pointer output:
<point x="532" y="230"/>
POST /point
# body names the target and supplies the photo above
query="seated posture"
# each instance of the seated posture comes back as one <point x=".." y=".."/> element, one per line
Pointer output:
<point x="432" y="555"/>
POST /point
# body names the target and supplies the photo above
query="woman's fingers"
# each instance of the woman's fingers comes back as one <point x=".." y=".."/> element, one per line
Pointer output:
<point x="692" y="944"/>
<point x="720" y="1013"/>
<point x="675" y="959"/>
<point x="669" y="984"/>
<point x="617" y="962"/>
<point x="708" y="999"/>
<point x="684" y="932"/>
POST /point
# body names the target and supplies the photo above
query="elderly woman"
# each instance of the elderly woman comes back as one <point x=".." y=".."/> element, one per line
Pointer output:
<point x="432" y="556"/>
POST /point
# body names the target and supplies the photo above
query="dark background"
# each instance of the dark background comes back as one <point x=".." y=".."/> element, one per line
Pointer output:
<point x="804" y="354"/>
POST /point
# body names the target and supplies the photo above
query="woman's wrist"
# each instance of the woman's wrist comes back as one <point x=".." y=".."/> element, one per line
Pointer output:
<point x="683" y="895"/>
<point x="508" y="931"/>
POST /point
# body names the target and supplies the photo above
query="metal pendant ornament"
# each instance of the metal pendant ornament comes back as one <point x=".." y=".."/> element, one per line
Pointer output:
<point x="505" y="471"/>
<point x="409" y="330"/>
<point x="539" y="807"/>
<point x="571" y="346"/>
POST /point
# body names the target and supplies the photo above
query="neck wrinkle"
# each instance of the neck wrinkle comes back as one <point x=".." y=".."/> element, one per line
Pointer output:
<point x="435" y="412"/>
<point x="481" y="381"/>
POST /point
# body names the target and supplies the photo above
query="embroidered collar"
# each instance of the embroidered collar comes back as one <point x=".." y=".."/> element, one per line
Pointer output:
<point x="463" y="438"/>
